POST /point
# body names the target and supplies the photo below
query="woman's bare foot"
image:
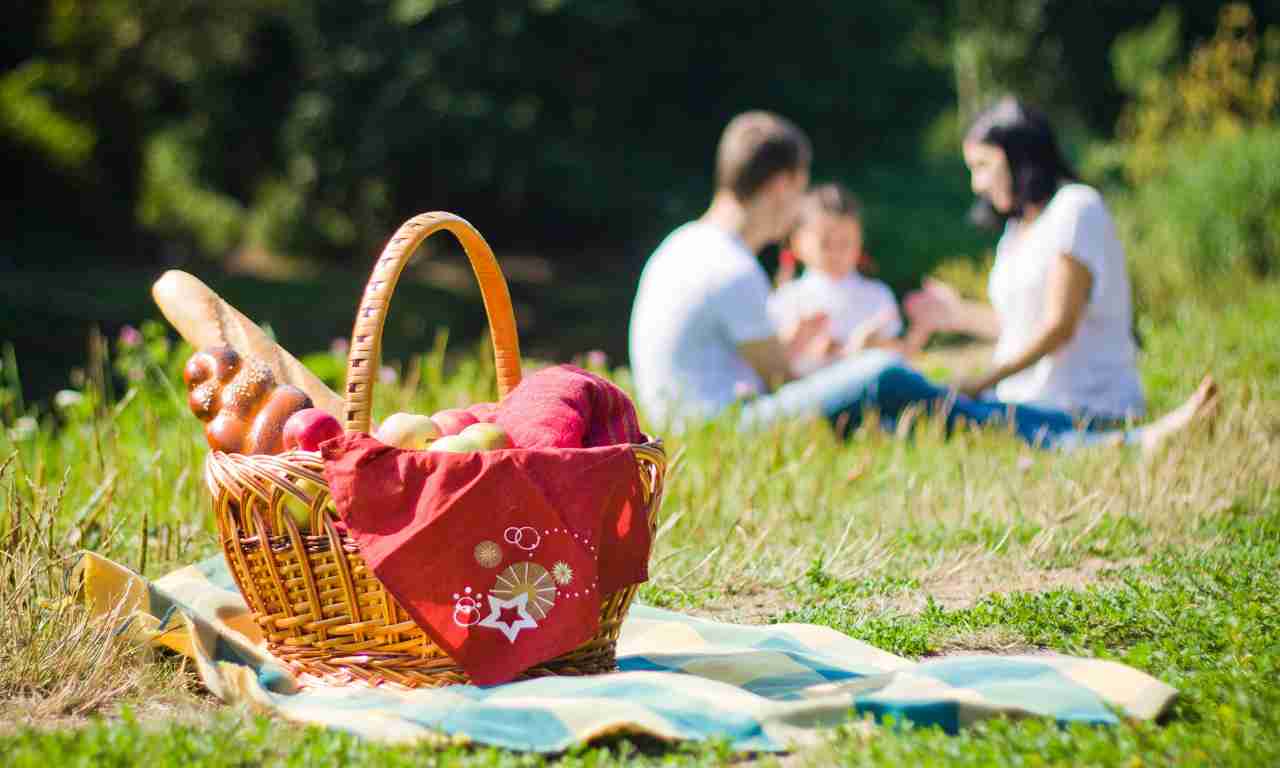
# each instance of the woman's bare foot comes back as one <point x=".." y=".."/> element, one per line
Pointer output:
<point x="1200" y="405"/>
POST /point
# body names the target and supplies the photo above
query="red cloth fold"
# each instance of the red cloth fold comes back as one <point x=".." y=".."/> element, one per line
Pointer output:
<point x="566" y="407"/>
<point x="502" y="557"/>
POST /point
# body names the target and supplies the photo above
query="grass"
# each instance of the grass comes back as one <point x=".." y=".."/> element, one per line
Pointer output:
<point x="917" y="545"/>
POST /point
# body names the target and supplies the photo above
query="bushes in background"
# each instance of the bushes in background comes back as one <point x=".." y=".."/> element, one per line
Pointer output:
<point x="1212" y="218"/>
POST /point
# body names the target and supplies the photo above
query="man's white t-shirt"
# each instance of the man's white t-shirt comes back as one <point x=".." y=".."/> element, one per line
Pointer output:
<point x="702" y="293"/>
<point x="848" y="302"/>
<point x="1096" y="370"/>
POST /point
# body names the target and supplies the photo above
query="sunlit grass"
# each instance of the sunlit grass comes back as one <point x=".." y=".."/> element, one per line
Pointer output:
<point x="918" y="544"/>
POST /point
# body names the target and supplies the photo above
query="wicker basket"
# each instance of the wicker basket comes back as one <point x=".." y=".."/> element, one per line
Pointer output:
<point x="321" y="609"/>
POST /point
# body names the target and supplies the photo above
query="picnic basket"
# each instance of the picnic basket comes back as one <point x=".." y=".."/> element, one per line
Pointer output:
<point x="321" y="610"/>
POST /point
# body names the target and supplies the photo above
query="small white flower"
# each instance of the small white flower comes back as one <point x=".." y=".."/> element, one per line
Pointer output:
<point x="24" y="428"/>
<point x="67" y="398"/>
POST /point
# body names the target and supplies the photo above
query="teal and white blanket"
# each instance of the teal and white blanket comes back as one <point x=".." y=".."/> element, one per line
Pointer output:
<point x="761" y="688"/>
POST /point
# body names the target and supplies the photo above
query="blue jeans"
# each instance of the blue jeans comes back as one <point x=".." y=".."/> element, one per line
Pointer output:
<point x="879" y="380"/>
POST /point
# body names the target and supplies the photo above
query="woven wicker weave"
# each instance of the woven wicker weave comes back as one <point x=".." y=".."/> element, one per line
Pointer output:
<point x="321" y="609"/>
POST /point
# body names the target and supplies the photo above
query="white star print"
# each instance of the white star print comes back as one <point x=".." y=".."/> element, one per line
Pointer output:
<point x="494" y="619"/>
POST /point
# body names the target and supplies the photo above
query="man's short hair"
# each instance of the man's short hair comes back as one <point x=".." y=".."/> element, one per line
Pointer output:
<point x="754" y="147"/>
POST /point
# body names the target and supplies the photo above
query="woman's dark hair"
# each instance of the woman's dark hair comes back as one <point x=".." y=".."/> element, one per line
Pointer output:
<point x="1036" y="163"/>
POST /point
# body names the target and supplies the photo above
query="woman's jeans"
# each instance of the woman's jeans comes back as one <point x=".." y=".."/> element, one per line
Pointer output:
<point x="879" y="380"/>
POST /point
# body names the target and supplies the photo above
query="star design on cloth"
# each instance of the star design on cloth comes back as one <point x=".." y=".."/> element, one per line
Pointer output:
<point x="498" y="617"/>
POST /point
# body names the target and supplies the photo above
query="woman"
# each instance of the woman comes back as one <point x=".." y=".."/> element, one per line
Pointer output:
<point x="1064" y="368"/>
<point x="1060" y="314"/>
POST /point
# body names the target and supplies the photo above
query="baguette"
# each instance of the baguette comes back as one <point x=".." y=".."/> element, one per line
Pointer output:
<point x="205" y="320"/>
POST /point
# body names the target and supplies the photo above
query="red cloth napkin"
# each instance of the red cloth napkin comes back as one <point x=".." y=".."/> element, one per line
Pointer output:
<point x="502" y="557"/>
<point x="566" y="407"/>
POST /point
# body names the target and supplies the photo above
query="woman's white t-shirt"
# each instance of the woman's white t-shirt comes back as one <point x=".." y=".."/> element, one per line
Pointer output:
<point x="1095" y="372"/>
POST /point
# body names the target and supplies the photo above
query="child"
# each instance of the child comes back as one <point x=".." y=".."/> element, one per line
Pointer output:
<point x="862" y="312"/>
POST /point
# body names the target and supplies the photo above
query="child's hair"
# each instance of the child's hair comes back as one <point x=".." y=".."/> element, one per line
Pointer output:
<point x="836" y="199"/>
<point x="833" y="198"/>
<point x="754" y="147"/>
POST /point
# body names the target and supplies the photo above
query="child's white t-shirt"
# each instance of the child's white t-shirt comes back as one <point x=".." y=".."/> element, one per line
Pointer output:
<point x="1096" y="370"/>
<point x="848" y="302"/>
<point x="702" y="293"/>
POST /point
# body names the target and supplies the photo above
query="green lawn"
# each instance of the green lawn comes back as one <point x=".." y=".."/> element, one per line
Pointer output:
<point x="917" y="545"/>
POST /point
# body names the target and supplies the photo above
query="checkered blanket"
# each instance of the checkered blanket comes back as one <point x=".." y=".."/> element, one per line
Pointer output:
<point x="762" y="688"/>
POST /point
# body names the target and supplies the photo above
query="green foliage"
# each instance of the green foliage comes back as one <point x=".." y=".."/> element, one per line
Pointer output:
<point x="315" y="128"/>
<point x="175" y="204"/>
<point x="1214" y="213"/>
<point x="481" y="108"/>
<point x="1141" y="57"/>
<point x="27" y="114"/>
<point x="1228" y="84"/>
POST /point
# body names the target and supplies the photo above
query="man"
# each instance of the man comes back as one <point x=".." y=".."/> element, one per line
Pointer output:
<point x="700" y="334"/>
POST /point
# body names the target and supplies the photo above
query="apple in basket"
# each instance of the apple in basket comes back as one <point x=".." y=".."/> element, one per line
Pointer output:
<point x="477" y="437"/>
<point x="308" y="428"/>
<point x="408" y="430"/>
<point x="299" y="510"/>
<point x="490" y="437"/>
<point x="452" y="421"/>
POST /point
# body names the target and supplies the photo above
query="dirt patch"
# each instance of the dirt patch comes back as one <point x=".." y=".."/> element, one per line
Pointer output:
<point x="754" y="605"/>
<point x="952" y="588"/>
<point x="960" y="588"/>
<point x="993" y="641"/>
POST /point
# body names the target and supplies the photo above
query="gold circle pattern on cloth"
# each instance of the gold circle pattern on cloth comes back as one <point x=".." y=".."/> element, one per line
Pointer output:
<point x="488" y="554"/>
<point x="530" y="579"/>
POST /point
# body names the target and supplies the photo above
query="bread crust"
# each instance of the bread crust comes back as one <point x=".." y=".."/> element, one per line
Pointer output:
<point x="244" y="408"/>
<point x="206" y="322"/>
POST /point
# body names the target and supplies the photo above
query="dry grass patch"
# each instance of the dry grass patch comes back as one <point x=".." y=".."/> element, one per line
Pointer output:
<point x="58" y="663"/>
<point x="988" y="641"/>
<point x="754" y="514"/>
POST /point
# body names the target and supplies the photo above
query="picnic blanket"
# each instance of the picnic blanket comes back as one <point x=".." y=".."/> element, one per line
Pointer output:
<point x="760" y="688"/>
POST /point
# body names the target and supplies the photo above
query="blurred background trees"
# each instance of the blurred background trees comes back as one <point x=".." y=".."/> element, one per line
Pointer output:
<point x="141" y="127"/>
<point x="146" y="133"/>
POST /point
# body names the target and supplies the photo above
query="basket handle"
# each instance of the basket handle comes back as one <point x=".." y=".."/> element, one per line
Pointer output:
<point x="366" y="337"/>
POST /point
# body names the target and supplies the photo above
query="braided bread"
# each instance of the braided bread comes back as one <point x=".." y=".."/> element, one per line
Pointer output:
<point x="243" y="407"/>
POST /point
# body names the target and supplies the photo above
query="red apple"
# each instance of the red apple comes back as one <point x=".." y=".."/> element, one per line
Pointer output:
<point x="483" y="411"/>
<point x="451" y="421"/>
<point x="308" y="428"/>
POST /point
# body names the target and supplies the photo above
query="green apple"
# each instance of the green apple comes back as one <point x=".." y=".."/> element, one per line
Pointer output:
<point x="490" y="437"/>
<point x="455" y="444"/>
<point x="407" y="430"/>
<point x="301" y="515"/>
<point x="301" y="511"/>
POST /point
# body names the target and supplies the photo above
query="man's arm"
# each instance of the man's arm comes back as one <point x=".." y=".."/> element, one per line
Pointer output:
<point x="769" y="359"/>
<point x="775" y="358"/>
